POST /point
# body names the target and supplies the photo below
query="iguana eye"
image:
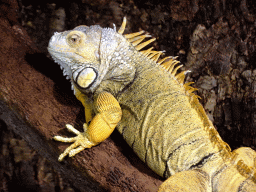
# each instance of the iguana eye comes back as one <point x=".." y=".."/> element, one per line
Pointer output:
<point x="74" y="38"/>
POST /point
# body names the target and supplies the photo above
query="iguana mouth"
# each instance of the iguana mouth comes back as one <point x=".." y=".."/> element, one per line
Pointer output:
<point x="85" y="77"/>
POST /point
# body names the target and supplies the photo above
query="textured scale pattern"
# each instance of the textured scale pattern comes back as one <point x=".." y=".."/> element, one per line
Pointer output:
<point x="107" y="105"/>
<point x="123" y="85"/>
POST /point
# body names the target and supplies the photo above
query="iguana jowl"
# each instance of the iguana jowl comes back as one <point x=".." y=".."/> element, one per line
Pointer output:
<point x="159" y="116"/>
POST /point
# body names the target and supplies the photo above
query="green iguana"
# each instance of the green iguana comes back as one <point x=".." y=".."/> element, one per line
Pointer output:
<point x="157" y="114"/>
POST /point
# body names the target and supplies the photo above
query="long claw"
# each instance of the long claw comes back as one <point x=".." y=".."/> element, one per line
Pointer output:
<point x="64" y="139"/>
<point x="72" y="129"/>
<point x="80" y="142"/>
<point x="67" y="151"/>
<point x="73" y="152"/>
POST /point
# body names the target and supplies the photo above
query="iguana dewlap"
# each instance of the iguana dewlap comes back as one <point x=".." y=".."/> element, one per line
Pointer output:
<point x="159" y="116"/>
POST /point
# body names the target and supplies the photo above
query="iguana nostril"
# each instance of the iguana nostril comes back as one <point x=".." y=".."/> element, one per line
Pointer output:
<point x="84" y="77"/>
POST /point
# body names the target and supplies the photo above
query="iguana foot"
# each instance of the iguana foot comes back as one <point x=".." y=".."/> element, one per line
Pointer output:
<point x="81" y="142"/>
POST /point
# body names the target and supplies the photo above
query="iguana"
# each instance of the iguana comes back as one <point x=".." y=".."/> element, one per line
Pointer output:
<point x="120" y="85"/>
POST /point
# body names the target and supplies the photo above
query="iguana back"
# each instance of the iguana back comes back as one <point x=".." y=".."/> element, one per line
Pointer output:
<point x="159" y="122"/>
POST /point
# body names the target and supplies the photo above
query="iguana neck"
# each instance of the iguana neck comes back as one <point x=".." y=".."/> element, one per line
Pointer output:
<point x="126" y="67"/>
<point x="149" y="79"/>
<point x="121" y="73"/>
<point x="143" y="64"/>
<point x="134" y="68"/>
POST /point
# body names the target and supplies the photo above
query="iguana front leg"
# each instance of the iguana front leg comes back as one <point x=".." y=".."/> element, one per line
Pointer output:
<point x="108" y="114"/>
<point x="87" y="103"/>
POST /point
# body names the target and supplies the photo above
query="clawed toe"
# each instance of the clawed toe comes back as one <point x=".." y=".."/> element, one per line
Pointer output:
<point x="80" y="142"/>
<point x="72" y="129"/>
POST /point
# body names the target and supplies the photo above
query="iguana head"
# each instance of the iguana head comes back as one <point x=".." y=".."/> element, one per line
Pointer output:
<point x="89" y="55"/>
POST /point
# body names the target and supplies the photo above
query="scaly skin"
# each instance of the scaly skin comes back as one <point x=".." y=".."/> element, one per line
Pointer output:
<point x="162" y="120"/>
